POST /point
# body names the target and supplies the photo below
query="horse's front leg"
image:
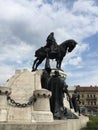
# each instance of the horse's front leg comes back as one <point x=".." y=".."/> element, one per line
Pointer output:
<point x="38" y="63"/>
<point x="35" y="62"/>
<point x="58" y="66"/>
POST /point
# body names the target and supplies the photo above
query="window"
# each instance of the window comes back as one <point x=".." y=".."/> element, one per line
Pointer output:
<point x="82" y="95"/>
<point x="91" y="103"/>
<point x="94" y="102"/>
<point x="82" y="102"/>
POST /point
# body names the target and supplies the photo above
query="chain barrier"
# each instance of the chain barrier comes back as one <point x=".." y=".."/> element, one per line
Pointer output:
<point x="12" y="102"/>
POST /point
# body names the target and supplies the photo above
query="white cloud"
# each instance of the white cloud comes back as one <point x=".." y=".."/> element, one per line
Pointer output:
<point x="39" y="21"/>
<point x="75" y="61"/>
<point x="6" y="72"/>
<point x="75" y="58"/>
<point x="84" y="78"/>
<point x="14" y="57"/>
<point x="89" y="7"/>
<point x="16" y="53"/>
<point x="27" y="19"/>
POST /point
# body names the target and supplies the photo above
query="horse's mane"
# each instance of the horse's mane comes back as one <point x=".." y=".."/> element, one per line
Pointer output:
<point x="68" y="42"/>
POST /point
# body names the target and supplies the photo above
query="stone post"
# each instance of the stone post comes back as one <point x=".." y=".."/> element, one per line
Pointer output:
<point x="4" y="91"/>
<point x="41" y="107"/>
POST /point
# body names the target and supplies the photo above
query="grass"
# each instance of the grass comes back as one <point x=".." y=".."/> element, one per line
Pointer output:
<point x="92" y="124"/>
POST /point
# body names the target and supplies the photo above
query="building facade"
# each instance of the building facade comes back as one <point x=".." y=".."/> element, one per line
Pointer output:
<point x="89" y="99"/>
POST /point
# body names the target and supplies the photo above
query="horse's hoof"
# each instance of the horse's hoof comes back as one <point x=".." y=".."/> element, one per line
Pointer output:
<point x="61" y="69"/>
<point x="32" y="70"/>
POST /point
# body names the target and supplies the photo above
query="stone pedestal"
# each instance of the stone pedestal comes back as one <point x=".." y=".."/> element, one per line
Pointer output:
<point x="24" y="84"/>
<point x="36" y="116"/>
<point x="61" y="73"/>
<point x="20" y="115"/>
<point x="41" y="107"/>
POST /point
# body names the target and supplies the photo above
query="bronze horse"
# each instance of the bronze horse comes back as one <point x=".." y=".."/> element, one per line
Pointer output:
<point x="60" y="52"/>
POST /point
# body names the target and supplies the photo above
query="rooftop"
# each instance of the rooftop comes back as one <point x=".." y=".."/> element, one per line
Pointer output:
<point x="85" y="88"/>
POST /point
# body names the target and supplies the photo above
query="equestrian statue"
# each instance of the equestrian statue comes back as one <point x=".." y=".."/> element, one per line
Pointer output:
<point x="53" y="51"/>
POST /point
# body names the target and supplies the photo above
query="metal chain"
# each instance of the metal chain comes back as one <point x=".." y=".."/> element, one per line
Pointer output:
<point x="12" y="102"/>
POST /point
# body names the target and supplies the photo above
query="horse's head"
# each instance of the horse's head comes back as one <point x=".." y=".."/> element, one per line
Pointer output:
<point x="71" y="45"/>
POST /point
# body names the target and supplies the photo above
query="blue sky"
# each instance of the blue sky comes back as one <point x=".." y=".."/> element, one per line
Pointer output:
<point x="25" y="25"/>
